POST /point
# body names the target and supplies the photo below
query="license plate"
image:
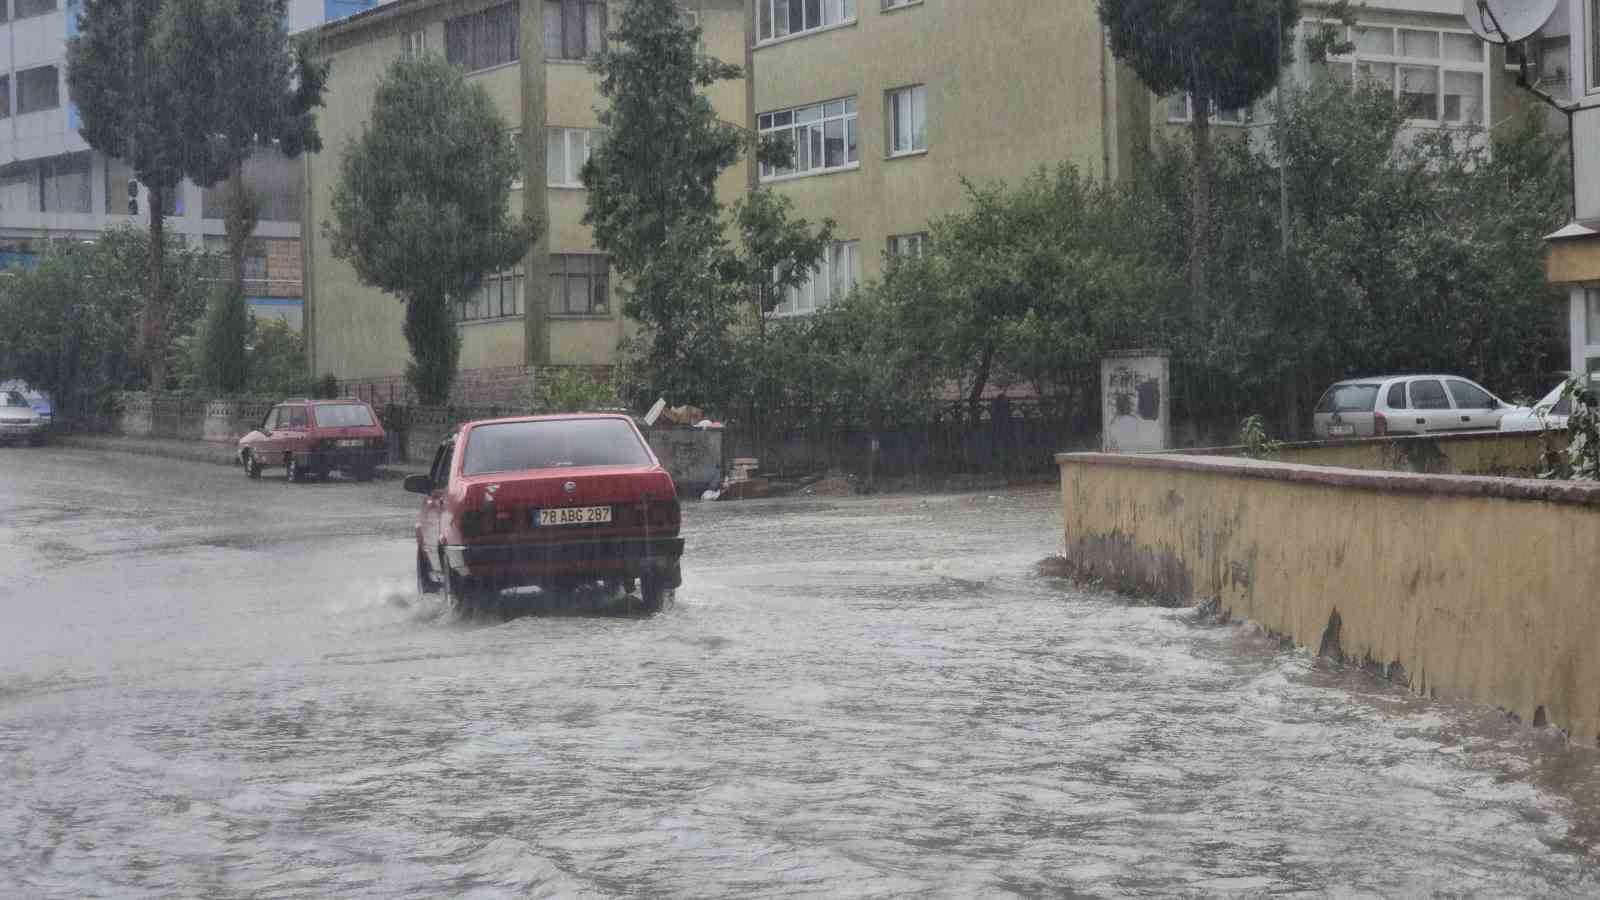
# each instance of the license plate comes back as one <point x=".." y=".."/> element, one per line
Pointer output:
<point x="575" y="515"/>
<point x="352" y="443"/>
<point x="1341" y="430"/>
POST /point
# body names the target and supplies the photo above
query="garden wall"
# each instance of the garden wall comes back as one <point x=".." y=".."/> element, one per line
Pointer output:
<point x="1472" y="588"/>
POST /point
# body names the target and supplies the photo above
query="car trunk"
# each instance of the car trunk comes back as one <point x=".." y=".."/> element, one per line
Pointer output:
<point x="605" y="502"/>
<point x="1348" y="410"/>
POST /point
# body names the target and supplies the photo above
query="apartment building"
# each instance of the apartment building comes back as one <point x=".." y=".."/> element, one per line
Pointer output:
<point x="889" y="104"/>
<point x="53" y="187"/>
<point x="561" y="305"/>
<point x="1573" y="259"/>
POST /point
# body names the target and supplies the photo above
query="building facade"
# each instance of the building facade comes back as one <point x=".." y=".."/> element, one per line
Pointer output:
<point x="889" y="104"/>
<point x="561" y="305"/>
<point x="1574" y="251"/>
<point x="54" y="187"/>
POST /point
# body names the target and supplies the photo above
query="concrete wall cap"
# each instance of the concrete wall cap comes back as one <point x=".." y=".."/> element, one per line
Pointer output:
<point x="1574" y="493"/>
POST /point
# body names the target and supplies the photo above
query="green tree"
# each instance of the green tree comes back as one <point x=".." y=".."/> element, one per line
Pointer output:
<point x="652" y="195"/>
<point x="1223" y="56"/>
<point x="278" y="360"/>
<point x="250" y="87"/>
<point x="127" y="107"/>
<point x="67" y="320"/>
<point x="423" y="212"/>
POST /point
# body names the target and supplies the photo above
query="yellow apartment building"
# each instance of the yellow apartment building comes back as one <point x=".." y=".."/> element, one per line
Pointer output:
<point x="889" y="104"/>
<point x="561" y="305"/>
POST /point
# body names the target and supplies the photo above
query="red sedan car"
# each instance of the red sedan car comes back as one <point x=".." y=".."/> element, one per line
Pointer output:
<point x="553" y="502"/>
<point x="315" y="437"/>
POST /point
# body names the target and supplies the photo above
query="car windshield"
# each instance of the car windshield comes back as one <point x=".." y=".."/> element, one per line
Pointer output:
<point x="343" y="415"/>
<point x="1349" y="398"/>
<point x="12" y="398"/>
<point x="515" y="446"/>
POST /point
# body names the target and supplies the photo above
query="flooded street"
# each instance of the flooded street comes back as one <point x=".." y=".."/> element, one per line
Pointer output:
<point x="222" y="688"/>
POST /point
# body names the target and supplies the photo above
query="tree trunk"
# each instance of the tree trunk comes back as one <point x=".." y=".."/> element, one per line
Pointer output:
<point x="240" y="223"/>
<point x="979" y="382"/>
<point x="153" y="337"/>
<point x="1202" y="186"/>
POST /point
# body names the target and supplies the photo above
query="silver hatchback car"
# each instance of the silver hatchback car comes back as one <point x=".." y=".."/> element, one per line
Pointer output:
<point x="1406" y="404"/>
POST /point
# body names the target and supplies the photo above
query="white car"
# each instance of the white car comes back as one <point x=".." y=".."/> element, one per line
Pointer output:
<point x="19" y="421"/>
<point x="1550" y="412"/>
<point x="1405" y="404"/>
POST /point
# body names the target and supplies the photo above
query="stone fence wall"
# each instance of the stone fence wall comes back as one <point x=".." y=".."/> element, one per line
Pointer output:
<point x="1473" y="588"/>
<point x="1457" y="453"/>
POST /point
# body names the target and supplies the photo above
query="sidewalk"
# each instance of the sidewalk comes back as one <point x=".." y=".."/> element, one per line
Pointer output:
<point x="192" y="451"/>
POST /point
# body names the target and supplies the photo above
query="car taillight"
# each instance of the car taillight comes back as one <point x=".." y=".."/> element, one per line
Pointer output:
<point x="664" y="514"/>
<point x="1380" y="425"/>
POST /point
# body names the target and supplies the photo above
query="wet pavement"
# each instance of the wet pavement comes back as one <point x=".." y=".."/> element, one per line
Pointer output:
<point x="222" y="688"/>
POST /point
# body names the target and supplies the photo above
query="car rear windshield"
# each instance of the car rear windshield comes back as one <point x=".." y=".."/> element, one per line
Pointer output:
<point x="12" y="398"/>
<point x="1349" y="398"/>
<point x="343" y="415"/>
<point x="516" y="446"/>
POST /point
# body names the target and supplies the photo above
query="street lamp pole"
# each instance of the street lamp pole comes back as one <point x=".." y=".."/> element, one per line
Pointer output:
<point x="1283" y="162"/>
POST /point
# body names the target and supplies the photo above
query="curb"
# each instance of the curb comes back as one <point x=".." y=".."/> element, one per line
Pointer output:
<point x="203" y="454"/>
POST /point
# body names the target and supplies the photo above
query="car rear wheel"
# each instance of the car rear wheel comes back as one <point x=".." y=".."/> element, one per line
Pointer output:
<point x="252" y="466"/>
<point x="425" y="582"/>
<point x="365" y="473"/>
<point x="653" y="591"/>
<point x="465" y="595"/>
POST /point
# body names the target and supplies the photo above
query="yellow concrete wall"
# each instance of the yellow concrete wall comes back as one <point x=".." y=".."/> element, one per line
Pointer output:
<point x="1477" y="589"/>
<point x="1002" y="101"/>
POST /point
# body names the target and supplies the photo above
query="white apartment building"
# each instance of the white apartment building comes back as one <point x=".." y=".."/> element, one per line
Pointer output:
<point x="52" y="186"/>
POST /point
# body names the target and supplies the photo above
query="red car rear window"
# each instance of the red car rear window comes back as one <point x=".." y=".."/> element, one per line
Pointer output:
<point x="556" y="443"/>
<point x="343" y="415"/>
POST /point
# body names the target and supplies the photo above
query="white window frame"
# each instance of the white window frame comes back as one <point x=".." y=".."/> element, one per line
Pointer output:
<point x="1438" y="63"/>
<point x="1591" y="57"/>
<point x="1231" y="118"/>
<point x="413" y="43"/>
<point x="816" y="117"/>
<point x="572" y="139"/>
<point x="767" y="25"/>
<point x="1591" y="322"/>
<point x="559" y="271"/>
<point x="917" y="140"/>
<point x="913" y="245"/>
<point x="491" y="292"/>
<point x="899" y="4"/>
<point x="824" y="287"/>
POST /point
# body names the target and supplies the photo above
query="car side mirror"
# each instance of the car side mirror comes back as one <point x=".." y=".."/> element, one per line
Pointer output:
<point x="419" y="484"/>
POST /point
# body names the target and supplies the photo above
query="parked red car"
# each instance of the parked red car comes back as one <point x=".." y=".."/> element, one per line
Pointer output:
<point x="316" y="437"/>
<point x="554" y="502"/>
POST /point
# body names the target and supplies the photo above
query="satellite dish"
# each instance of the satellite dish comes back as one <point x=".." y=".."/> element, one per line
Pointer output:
<point x="1516" y="19"/>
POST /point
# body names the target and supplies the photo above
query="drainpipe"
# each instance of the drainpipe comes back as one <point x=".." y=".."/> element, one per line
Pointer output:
<point x="1105" y="110"/>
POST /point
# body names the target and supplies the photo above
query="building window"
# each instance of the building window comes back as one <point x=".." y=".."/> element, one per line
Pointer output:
<point x="574" y="29"/>
<point x="580" y="284"/>
<point x="276" y="181"/>
<point x="907" y="115"/>
<point x="497" y="296"/>
<point x="522" y="158"/>
<point x="5" y="86"/>
<point x="1180" y="108"/>
<point x="28" y="8"/>
<point x="53" y="184"/>
<point x="1439" y="77"/>
<point x="834" y="278"/>
<point x="38" y="89"/>
<point x="782" y="18"/>
<point x="908" y="246"/>
<point x="566" y="150"/>
<point x="413" y="43"/>
<point x="820" y="137"/>
<point x="483" y="40"/>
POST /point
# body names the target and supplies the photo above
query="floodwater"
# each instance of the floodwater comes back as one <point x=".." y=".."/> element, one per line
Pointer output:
<point x="221" y="688"/>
